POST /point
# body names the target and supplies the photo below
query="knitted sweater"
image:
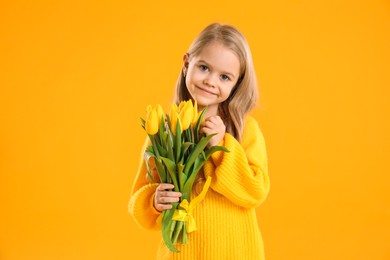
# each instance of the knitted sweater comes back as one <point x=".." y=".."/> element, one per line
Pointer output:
<point x="226" y="220"/>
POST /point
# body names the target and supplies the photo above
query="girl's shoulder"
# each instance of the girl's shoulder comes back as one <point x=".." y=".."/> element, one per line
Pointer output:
<point x="250" y="122"/>
<point x="251" y="129"/>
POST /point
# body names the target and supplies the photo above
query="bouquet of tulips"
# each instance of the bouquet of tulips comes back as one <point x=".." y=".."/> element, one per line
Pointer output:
<point x="179" y="152"/>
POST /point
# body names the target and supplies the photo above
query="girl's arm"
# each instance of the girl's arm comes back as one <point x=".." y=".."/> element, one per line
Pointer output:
<point x="142" y="198"/>
<point x="241" y="175"/>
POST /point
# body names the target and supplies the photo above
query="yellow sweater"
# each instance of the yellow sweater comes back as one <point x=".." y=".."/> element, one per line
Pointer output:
<point x="226" y="219"/>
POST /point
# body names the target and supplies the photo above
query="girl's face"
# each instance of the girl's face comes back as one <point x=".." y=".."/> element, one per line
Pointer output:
<point x="211" y="75"/>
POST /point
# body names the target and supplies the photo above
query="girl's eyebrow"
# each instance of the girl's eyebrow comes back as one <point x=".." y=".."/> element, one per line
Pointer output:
<point x="208" y="64"/>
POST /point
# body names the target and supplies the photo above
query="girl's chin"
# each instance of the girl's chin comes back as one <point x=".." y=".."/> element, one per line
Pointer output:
<point x="201" y="104"/>
<point x="211" y="110"/>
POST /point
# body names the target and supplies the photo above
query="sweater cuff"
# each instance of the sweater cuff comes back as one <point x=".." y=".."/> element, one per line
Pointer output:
<point x="142" y="208"/>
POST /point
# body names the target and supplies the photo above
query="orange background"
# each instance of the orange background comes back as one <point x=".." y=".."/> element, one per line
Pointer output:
<point x="76" y="76"/>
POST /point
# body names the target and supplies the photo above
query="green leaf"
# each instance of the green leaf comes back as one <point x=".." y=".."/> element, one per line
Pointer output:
<point x="169" y="146"/>
<point x="143" y="122"/>
<point x="151" y="177"/>
<point x="177" y="146"/>
<point x="160" y="170"/>
<point x="182" y="177"/>
<point x="161" y="150"/>
<point x="150" y="150"/>
<point x="199" y="162"/>
<point x="197" y="125"/>
<point x="199" y="147"/>
<point x="187" y="134"/>
<point x="155" y="149"/>
<point x="147" y="155"/>
<point x="166" y="226"/>
<point x="171" y="167"/>
<point x="184" y="149"/>
<point x="214" y="149"/>
<point x="161" y="132"/>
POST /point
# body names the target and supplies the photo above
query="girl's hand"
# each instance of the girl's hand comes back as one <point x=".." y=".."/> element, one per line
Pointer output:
<point x="213" y="125"/>
<point x="163" y="198"/>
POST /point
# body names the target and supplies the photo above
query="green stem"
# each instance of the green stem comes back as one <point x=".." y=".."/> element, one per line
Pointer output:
<point x="178" y="229"/>
<point x="166" y="225"/>
<point x="184" y="238"/>
<point x="173" y="228"/>
<point x="152" y="138"/>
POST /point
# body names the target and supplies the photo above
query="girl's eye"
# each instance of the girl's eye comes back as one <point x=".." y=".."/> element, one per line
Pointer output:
<point x="224" y="77"/>
<point x="203" y="68"/>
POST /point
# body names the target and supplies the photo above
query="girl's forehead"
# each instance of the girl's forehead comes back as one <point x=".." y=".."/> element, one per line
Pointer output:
<point x="218" y="55"/>
<point x="213" y="47"/>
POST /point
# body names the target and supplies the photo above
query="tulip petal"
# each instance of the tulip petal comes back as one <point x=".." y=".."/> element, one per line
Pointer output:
<point x="186" y="114"/>
<point x="160" y="112"/>
<point x="151" y="125"/>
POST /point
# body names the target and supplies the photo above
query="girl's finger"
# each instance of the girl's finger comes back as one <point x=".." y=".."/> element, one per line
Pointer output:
<point x="206" y="130"/>
<point x="169" y="194"/>
<point x="165" y="200"/>
<point x="214" y="119"/>
<point x="209" y="124"/>
<point x="165" y="186"/>
<point x="161" y="207"/>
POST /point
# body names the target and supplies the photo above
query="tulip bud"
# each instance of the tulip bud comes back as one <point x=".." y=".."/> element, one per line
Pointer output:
<point x="186" y="114"/>
<point x="160" y="113"/>
<point x="195" y="113"/>
<point x="149" y="109"/>
<point x="174" y="118"/>
<point x="151" y="124"/>
<point x="181" y="105"/>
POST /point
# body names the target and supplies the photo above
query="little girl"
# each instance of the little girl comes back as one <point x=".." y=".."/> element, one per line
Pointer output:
<point x="218" y="73"/>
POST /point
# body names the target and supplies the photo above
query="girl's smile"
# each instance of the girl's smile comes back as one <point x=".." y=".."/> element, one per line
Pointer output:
<point x="206" y="91"/>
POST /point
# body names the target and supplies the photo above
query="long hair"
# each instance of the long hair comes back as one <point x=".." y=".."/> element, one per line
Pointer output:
<point x="244" y="95"/>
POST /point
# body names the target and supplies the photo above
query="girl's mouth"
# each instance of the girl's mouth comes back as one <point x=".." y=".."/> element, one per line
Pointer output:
<point x="206" y="91"/>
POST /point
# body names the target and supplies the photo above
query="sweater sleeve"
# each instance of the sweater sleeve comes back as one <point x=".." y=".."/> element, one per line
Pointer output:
<point x="241" y="175"/>
<point x="141" y="201"/>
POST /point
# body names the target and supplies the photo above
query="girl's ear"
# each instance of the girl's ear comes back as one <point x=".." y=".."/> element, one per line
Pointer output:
<point x="186" y="62"/>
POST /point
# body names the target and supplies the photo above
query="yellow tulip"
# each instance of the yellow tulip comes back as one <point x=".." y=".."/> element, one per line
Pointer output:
<point x="174" y="118"/>
<point x="195" y="114"/>
<point x="149" y="109"/>
<point x="186" y="114"/>
<point x="181" y="105"/>
<point x="198" y="116"/>
<point x="151" y="124"/>
<point x="160" y="113"/>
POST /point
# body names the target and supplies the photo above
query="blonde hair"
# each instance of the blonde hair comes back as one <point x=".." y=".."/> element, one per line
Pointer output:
<point x="245" y="94"/>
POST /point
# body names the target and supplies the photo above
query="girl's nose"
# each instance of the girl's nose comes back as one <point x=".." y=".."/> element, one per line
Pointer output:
<point x="210" y="80"/>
